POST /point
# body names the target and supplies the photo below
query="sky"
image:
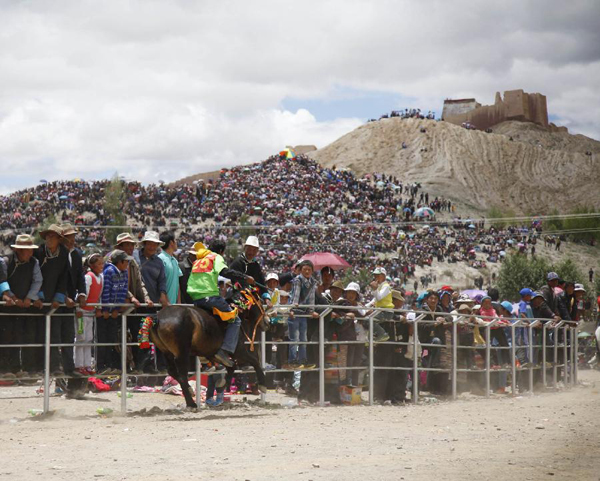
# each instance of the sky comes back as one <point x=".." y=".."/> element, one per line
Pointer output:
<point x="158" y="90"/>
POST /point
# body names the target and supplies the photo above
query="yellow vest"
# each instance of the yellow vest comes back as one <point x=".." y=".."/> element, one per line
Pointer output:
<point x="386" y="302"/>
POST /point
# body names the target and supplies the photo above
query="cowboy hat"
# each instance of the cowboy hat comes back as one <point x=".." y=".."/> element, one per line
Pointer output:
<point x="252" y="241"/>
<point x="55" y="228"/>
<point x="24" y="241"/>
<point x="152" y="236"/>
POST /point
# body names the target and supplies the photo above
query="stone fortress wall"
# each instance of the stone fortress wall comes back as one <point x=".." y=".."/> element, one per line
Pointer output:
<point x="516" y="105"/>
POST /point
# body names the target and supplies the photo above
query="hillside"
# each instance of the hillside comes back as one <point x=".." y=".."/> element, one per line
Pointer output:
<point x="533" y="173"/>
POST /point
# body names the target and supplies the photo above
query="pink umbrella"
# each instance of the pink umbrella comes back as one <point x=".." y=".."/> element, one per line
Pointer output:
<point x="326" y="259"/>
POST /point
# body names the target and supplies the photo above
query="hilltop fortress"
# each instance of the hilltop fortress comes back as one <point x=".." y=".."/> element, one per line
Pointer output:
<point x="516" y="105"/>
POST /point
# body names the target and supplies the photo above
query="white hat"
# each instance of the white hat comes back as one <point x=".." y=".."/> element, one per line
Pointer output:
<point x="24" y="241"/>
<point x="252" y="241"/>
<point x="380" y="270"/>
<point x="353" y="286"/>
<point x="579" y="287"/>
<point x="224" y="279"/>
<point x="152" y="236"/>
<point x="284" y="294"/>
<point x="272" y="275"/>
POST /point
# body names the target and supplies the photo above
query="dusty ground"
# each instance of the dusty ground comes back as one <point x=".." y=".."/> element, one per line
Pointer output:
<point x="549" y="436"/>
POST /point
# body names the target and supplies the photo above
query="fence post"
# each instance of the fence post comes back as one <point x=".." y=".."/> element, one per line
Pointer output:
<point x="415" y="373"/>
<point x="124" y="360"/>
<point x="371" y="361"/>
<point x="573" y="354"/>
<point x="198" y="368"/>
<point x="576" y="363"/>
<point x="544" y="356"/>
<point x="263" y="359"/>
<point x="530" y="349"/>
<point x="567" y="378"/>
<point x="454" y="356"/>
<point x="47" y="362"/>
<point x="487" y="358"/>
<point x="555" y="357"/>
<point x="322" y="356"/>
<point x="513" y="350"/>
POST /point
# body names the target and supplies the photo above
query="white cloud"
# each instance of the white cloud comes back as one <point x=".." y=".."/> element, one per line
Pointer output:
<point x="158" y="89"/>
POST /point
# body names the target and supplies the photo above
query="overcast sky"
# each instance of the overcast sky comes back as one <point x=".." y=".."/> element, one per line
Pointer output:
<point x="163" y="89"/>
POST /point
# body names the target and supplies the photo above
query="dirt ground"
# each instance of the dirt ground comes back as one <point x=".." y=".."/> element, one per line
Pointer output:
<point x="548" y="436"/>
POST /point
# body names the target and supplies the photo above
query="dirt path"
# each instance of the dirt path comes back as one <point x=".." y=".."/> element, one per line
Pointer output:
<point x="549" y="436"/>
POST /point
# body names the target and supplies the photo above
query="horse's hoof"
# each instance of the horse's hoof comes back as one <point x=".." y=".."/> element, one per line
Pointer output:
<point x="220" y="383"/>
<point x="192" y="407"/>
<point x="262" y="389"/>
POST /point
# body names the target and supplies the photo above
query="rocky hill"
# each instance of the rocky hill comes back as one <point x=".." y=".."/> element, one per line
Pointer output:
<point x="535" y="172"/>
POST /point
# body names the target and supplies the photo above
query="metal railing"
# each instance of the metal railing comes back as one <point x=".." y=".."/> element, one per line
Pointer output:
<point x="569" y="346"/>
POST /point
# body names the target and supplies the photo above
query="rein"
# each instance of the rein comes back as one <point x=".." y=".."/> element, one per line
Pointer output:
<point x="252" y="299"/>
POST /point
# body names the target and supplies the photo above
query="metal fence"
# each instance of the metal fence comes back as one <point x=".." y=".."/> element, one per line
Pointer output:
<point x="568" y="346"/>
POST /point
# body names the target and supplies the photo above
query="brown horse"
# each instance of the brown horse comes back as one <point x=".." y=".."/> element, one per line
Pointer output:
<point x="182" y="332"/>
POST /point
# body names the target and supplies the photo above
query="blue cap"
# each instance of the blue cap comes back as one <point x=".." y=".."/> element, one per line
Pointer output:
<point x="526" y="291"/>
<point x="551" y="276"/>
<point x="507" y="305"/>
<point x="537" y="294"/>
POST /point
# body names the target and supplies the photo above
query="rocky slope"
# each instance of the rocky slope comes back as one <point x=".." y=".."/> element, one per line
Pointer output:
<point x="534" y="172"/>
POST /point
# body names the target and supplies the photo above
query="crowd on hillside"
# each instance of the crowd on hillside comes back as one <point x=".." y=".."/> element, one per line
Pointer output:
<point x="293" y="204"/>
<point x="407" y="114"/>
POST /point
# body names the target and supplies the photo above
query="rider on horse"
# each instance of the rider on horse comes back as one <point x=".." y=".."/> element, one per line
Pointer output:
<point x="203" y="288"/>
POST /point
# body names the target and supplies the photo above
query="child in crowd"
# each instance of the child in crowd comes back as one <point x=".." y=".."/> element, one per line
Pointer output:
<point x="84" y="330"/>
<point x="114" y="291"/>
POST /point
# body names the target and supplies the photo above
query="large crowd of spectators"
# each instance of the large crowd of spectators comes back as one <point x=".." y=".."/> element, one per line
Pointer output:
<point x="294" y="206"/>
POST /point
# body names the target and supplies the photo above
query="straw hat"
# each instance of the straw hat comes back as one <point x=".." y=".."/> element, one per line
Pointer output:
<point x="152" y="236"/>
<point x="397" y="295"/>
<point x="24" y="241"/>
<point x="124" y="237"/>
<point x="55" y="228"/>
<point x="68" y="229"/>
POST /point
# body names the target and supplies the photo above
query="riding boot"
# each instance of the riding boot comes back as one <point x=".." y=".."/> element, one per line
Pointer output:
<point x="231" y="336"/>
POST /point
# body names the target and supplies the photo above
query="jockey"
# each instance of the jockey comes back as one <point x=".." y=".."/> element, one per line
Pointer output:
<point x="203" y="288"/>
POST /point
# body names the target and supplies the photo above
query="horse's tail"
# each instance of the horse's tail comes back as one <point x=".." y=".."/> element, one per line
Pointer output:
<point x="148" y="323"/>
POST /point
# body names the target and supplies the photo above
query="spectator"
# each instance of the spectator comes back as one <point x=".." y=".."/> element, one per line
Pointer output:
<point x="20" y="283"/>
<point x="548" y="292"/>
<point x="172" y="270"/>
<point x="496" y="332"/>
<point x="94" y="283"/>
<point x="303" y="292"/>
<point x="114" y="291"/>
<point x="186" y="269"/>
<point x="54" y="264"/>
<point x="152" y="268"/>
<point x="382" y="299"/>
<point x="438" y="334"/>
<point x="136" y="294"/>
<point x="247" y="264"/>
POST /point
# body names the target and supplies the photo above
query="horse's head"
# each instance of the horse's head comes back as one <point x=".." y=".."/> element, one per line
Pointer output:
<point x="250" y="308"/>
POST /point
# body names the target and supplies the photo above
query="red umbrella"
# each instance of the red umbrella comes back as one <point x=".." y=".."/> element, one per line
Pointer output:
<point x="326" y="259"/>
